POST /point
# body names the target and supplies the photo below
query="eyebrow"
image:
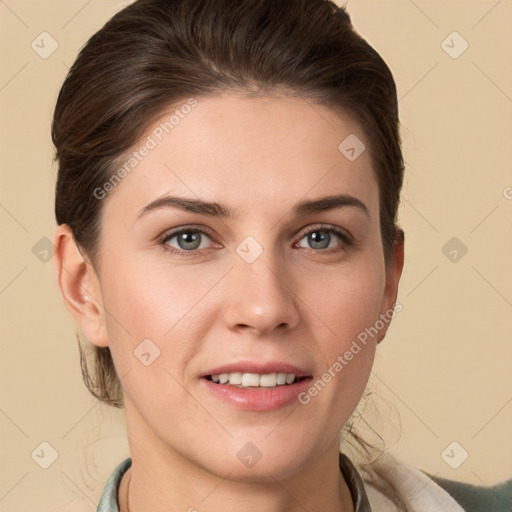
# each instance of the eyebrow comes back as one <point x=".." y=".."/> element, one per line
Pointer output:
<point x="214" y="209"/>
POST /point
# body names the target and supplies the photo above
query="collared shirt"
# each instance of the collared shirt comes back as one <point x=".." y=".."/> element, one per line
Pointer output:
<point x="109" y="501"/>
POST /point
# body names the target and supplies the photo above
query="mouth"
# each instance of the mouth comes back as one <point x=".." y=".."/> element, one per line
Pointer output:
<point x="256" y="385"/>
<point x="261" y="392"/>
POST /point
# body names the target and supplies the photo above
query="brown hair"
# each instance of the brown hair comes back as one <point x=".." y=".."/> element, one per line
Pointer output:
<point x="156" y="53"/>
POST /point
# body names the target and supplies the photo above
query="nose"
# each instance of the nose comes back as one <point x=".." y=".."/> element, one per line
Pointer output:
<point x="260" y="296"/>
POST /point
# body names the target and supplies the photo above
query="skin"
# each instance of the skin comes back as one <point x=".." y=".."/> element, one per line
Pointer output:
<point x="296" y="303"/>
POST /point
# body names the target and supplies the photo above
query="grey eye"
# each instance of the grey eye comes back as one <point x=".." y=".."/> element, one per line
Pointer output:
<point x="187" y="240"/>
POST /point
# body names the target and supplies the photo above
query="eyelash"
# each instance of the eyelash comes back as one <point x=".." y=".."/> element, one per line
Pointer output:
<point x="347" y="241"/>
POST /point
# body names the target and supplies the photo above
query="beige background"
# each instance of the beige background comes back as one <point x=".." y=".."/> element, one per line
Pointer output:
<point x="444" y="371"/>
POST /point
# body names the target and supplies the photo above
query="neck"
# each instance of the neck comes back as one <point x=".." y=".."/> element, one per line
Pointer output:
<point x="161" y="479"/>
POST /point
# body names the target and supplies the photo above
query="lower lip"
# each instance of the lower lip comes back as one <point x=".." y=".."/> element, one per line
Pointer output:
<point x="261" y="399"/>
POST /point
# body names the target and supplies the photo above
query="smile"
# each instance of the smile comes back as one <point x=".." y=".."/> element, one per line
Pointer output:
<point x="254" y="380"/>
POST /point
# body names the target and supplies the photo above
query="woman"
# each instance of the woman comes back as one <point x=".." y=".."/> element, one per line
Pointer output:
<point x="229" y="179"/>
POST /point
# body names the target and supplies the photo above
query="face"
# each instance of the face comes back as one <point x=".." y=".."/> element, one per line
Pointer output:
<point x="269" y="282"/>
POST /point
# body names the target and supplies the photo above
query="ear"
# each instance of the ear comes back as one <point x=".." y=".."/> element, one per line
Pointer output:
<point x="393" y="274"/>
<point x="79" y="286"/>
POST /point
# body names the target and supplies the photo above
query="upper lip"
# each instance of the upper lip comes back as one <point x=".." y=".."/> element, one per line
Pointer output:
<point x="262" y="368"/>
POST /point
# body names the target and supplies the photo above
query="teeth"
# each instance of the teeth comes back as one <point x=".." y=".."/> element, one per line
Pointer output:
<point x="235" y="378"/>
<point x="281" y="379"/>
<point x="268" y="380"/>
<point x="250" y="379"/>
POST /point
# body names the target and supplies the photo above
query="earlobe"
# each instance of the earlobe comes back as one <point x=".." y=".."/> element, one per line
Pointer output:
<point x="393" y="274"/>
<point x="79" y="286"/>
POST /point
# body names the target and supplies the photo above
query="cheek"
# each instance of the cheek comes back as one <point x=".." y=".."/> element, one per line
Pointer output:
<point x="347" y="308"/>
<point x="152" y="298"/>
<point x="346" y="300"/>
<point x="158" y="303"/>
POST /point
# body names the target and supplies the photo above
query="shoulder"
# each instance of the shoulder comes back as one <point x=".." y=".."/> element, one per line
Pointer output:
<point x="422" y="491"/>
<point x="478" y="498"/>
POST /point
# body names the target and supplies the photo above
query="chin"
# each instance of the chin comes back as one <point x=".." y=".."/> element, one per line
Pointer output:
<point x="260" y="460"/>
<point x="263" y="471"/>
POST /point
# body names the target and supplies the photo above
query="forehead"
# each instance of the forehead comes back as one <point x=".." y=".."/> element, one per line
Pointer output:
<point x="251" y="153"/>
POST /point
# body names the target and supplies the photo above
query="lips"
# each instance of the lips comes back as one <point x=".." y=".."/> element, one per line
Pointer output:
<point x="262" y="399"/>
<point x="261" y="368"/>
